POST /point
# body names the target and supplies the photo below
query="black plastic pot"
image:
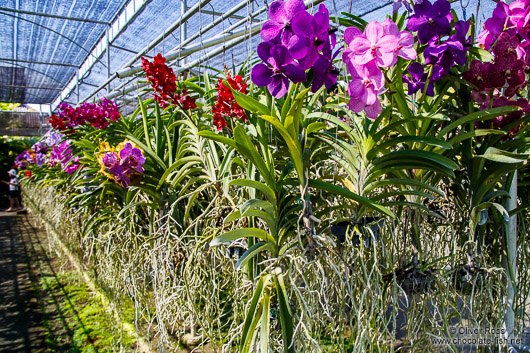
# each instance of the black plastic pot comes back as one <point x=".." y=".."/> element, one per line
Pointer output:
<point x="367" y="231"/>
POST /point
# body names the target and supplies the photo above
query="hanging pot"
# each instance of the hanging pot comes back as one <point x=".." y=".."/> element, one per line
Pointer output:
<point x="366" y="230"/>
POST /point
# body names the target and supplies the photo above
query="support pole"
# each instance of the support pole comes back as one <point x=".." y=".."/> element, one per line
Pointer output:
<point x="509" y="261"/>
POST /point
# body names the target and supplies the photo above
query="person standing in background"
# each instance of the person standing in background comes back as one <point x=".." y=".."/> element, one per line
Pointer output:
<point x="14" y="191"/>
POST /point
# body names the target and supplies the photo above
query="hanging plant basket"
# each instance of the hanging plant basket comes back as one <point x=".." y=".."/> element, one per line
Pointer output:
<point x="366" y="231"/>
<point x="412" y="280"/>
<point x="467" y="279"/>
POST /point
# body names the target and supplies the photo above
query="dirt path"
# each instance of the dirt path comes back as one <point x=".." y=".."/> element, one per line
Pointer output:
<point x="20" y="321"/>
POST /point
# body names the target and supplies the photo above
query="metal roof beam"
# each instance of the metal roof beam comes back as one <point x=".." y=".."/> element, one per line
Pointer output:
<point x="118" y="25"/>
<point x="32" y="87"/>
<point x="42" y="14"/>
<point x="182" y="19"/>
<point x="215" y="13"/>
<point x="38" y="62"/>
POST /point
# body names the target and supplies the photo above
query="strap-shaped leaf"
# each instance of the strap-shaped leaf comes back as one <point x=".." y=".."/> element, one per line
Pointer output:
<point x="253" y="315"/>
<point x="253" y="251"/>
<point x="501" y="156"/>
<point x="399" y="181"/>
<point x="216" y="137"/>
<point x="242" y="233"/>
<point x="257" y="204"/>
<point x="475" y="213"/>
<point x="249" y="103"/>
<point x="482" y="115"/>
<point x="319" y="184"/>
<point x="245" y="146"/>
<point x="265" y="190"/>
<point x="286" y="318"/>
<point x="475" y="133"/>
<point x="292" y="145"/>
<point x="416" y="155"/>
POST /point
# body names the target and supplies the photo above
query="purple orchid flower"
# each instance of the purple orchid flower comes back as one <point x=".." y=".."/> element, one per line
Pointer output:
<point x="131" y="159"/>
<point x="282" y="69"/>
<point x="431" y="21"/>
<point x="40" y="159"/>
<point x="278" y="29"/>
<point x="325" y="73"/>
<point x="397" y="5"/>
<point x="53" y="138"/>
<point x="374" y="44"/>
<point x="417" y="80"/>
<point x="311" y="36"/>
<point x="405" y="47"/>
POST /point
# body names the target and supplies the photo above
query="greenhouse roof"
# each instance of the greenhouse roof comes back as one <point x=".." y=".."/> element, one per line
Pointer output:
<point x="55" y="51"/>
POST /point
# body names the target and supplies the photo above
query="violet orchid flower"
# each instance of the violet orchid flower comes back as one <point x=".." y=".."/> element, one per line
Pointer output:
<point x="311" y="35"/>
<point x="278" y="29"/>
<point x="374" y="44"/>
<point x="282" y="69"/>
<point x="431" y="21"/>
<point x="53" y="138"/>
<point x="397" y="5"/>
<point x="366" y="84"/>
<point x="405" y="47"/>
<point x="132" y="159"/>
<point x="417" y="80"/>
<point x="325" y="73"/>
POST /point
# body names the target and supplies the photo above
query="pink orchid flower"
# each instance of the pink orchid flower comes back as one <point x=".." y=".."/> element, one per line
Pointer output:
<point x="366" y="84"/>
<point x="405" y="47"/>
<point x="374" y="44"/>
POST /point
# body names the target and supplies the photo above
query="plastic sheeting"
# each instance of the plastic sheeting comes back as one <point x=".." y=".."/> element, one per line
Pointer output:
<point x="29" y="38"/>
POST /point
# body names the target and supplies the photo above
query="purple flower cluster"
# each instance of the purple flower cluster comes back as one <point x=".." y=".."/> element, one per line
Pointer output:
<point x="497" y="83"/>
<point x="62" y="153"/>
<point x="40" y="149"/>
<point x="513" y="19"/>
<point x="432" y="22"/>
<point x="126" y="166"/>
<point x="97" y="115"/>
<point x="377" y="47"/>
<point x="295" y="41"/>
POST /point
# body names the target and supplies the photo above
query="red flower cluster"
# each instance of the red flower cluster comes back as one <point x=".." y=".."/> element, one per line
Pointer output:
<point x="225" y="104"/>
<point x="59" y="124"/>
<point x="163" y="81"/>
<point x="28" y="173"/>
<point x="98" y="115"/>
<point x="508" y="67"/>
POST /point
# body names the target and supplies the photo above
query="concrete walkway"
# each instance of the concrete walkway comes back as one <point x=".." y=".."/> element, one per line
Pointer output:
<point x="20" y="323"/>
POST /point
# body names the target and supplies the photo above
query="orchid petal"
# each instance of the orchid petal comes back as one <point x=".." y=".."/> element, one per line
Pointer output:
<point x="261" y="75"/>
<point x="373" y="31"/>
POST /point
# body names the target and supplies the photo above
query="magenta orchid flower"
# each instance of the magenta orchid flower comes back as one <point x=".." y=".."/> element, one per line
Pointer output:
<point x="278" y="28"/>
<point x="366" y="84"/>
<point x="405" y="47"/>
<point x="374" y="44"/>
<point x="132" y="159"/>
<point x="495" y="25"/>
<point x="281" y="70"/>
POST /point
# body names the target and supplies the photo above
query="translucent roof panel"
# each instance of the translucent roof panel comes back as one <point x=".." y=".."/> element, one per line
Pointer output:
<point x="40" y="54"/>
<point x="34" y="46"/>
